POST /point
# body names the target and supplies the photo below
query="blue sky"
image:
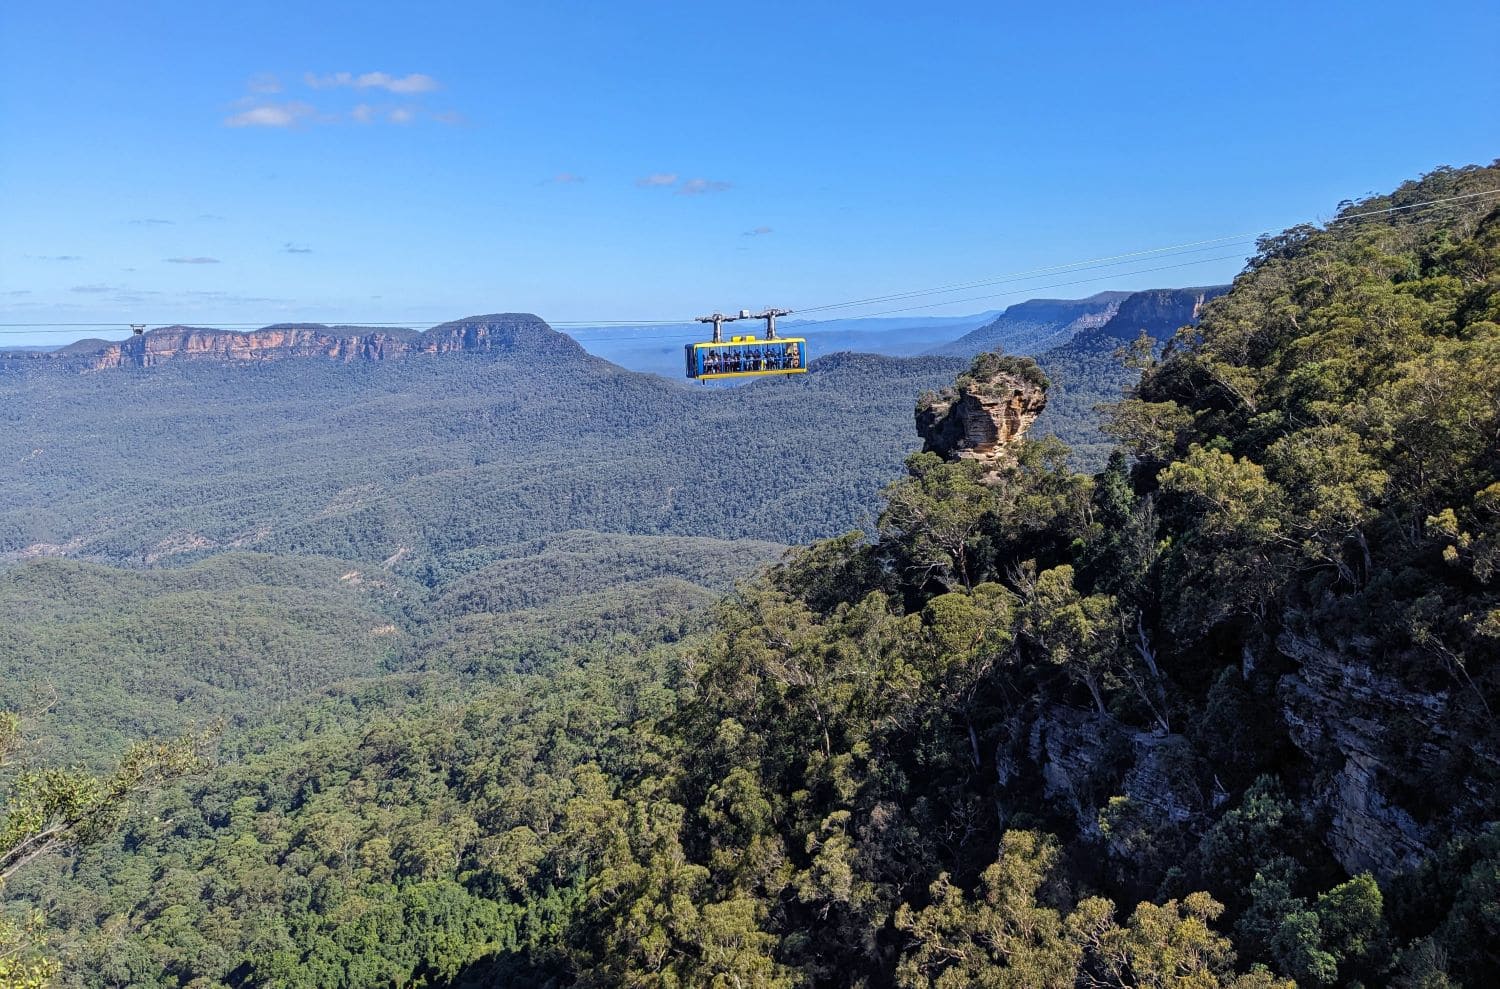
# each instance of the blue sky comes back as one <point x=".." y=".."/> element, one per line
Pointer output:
<point x="208" y="163"/>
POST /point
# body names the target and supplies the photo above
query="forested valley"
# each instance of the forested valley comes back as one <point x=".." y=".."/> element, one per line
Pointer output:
<point x="1211" y="707"/>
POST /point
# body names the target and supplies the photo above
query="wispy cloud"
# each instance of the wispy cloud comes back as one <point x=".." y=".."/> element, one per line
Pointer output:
<point x="199" y="260"/>
<point x="686" y="187"/>
<point x="255" y="109"/>
<point x="151" y="221"/>
<point x="756" y="232"/>
<point x="93" y="289"/>
<point x="567" y="178"/>
<point x="264" y="82"/>
<point x="289" y="114"/>
<point x="290" y="248"/>
<point x="220" y="296"/>
<point x="134" y="295"/>
<point x="211" y="217"/>
<point x="415" y="82"/>
<point x="55" y="257"/>
<point x="697" y="187"/>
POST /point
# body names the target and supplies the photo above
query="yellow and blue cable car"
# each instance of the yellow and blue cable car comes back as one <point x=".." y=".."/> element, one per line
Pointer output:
<point x="746" y="356"/>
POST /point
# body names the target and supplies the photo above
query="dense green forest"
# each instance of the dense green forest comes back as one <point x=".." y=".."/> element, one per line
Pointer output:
<point x="433" y="458"/>
<point x="1220" y="714"/>
<point x="112" y="654"/>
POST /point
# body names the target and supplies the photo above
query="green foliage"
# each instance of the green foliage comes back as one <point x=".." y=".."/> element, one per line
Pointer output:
<point x="1002" y="938"/>
<point x="49" y="810"/>
<point x="140" y="654"/>
<point x="24" y="962"/>
<point x="1076" y="633"/>
<point x="991" y="364"/>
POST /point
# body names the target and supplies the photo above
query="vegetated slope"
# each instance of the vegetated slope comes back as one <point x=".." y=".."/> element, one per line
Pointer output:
<point x="1231" y="707"/>
<point x="1089" y="370"/>
<point x="435" y="456"/>
<point x="1036" y="324"/>
<point x="111" y="654"/>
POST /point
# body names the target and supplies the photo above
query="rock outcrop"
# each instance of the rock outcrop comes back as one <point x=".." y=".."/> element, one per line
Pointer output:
<point x="1083" y="758"/>
<point x="1375" y="745"/>
<point x="519" y="332"/>
<point x="986" y="413"/>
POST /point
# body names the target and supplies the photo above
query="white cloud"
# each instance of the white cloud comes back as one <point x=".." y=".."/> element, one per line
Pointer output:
<point x="323" y="82"/>
<point x="199" y="260"/>
<point x="415" y="82"/>
<point x="697" y="187"/>
<point x="257" y="110"/>
<point x="757" y="232"/>
<point x="272" y="115"/>
<point x="567" y="178"/>
<point x="657" y="180"/>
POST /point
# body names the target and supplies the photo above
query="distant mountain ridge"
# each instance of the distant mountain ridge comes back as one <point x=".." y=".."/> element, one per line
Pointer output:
<point x="474" y="334"/>
<point x="1029" y="326"/>
<point x="1085" y="371"/>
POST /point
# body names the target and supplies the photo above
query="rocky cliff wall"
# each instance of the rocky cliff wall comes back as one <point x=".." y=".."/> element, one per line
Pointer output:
<point x="520" y="332"/>
<point x="1159" y="312"/>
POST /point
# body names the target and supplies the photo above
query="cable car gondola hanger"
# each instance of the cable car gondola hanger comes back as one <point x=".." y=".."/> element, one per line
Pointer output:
<point x="746" y="356"/>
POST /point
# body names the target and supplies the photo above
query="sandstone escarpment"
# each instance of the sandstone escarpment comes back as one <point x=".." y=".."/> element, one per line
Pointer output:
<point x="499" y="332"/>
<point x="985" y="415"/>
<point x="1158" y="312"/>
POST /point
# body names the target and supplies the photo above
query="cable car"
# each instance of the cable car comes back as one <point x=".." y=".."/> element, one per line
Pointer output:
<point x="746" y="356"/>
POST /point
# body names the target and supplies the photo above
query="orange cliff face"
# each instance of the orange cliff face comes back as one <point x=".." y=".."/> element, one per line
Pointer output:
<point x="170" y="344"/>
<point x="182" y="342"/>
